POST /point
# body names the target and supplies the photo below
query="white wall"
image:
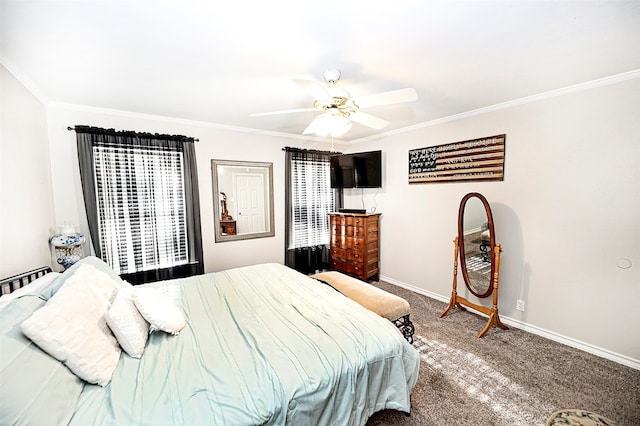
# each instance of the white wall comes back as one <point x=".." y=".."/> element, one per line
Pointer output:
<point x="565" y="214"/>
<point x="214" y="143"/>
<point x="25" y="180"/>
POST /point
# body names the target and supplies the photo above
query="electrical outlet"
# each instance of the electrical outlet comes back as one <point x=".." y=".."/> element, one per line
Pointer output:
<point x="520" y="305"/>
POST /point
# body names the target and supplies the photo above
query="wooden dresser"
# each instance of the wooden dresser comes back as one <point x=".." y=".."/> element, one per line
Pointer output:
<point x="355" y="244"/>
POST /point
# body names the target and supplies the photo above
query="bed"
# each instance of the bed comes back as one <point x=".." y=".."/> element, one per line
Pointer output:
<point x="259" y="345"/>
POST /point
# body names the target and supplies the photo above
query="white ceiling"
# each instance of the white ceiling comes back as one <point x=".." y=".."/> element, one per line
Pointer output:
<point x="217" y="62"/>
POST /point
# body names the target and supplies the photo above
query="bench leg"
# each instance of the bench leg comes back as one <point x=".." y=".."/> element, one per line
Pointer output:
<point x="406" y="327"/>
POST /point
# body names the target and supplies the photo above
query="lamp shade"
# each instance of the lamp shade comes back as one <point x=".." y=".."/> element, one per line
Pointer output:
<point x="67" y="246"/>
<point x="333" y="124"/>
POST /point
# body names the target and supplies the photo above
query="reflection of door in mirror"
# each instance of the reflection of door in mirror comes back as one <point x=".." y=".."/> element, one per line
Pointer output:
<point x="249" y="190"/>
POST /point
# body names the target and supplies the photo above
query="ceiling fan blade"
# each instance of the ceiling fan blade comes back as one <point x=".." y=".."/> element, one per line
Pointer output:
<point x="284" y="111"/>
<point x="314" y="126"/>
<point x="314" y="88"/>
<point x="386" y="98"/>
<point x="368" y="120"/>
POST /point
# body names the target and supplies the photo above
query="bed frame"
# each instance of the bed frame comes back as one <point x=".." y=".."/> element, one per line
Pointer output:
<point x="11" y="284"/>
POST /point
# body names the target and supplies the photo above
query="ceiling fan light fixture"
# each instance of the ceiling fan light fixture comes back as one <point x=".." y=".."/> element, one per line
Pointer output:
<point x="329" y="124"/>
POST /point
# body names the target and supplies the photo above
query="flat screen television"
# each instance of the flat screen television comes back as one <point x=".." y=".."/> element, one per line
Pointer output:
<point x="357" y="170"/>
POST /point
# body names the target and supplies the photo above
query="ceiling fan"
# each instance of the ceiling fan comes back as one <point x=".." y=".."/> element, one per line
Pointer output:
<point x="338" y="109"/>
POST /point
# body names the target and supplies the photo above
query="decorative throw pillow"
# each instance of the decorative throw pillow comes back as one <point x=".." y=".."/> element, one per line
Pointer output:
<point x="158" y="309"/>
<point x="97" y="263"/>
<point x="71" y="327"/>
<point x="126" y="323"/>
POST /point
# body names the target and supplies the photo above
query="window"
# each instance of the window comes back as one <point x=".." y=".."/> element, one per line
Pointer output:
<point x="142" y="205"/>
<point x="309" y="200"/>
<point x="312" y="201"/>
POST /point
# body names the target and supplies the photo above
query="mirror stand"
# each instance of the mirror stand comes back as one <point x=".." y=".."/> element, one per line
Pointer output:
<point x="460" y="302"/>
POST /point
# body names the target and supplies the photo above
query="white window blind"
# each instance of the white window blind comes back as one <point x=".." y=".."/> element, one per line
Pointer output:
<point x="140" y="197"/>
<point x="312" y="199"/>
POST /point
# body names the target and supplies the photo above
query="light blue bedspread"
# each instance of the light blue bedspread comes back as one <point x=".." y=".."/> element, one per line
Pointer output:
<point x="263" y="345"/>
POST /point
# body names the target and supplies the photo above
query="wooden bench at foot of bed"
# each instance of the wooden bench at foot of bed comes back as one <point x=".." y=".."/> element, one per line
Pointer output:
<point x="385" y="304"/>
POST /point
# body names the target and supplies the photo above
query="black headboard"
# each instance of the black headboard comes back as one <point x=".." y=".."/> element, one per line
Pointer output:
<point x="15" y="282"/>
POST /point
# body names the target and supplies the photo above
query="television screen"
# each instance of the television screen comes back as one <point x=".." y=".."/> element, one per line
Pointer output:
<point x="358" y="170"/>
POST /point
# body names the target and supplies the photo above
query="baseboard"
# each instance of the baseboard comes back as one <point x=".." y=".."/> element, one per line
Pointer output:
<point x="586" y="347"/>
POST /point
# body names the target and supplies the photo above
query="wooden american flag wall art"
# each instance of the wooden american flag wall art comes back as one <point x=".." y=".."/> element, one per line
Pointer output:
<point x="473" y="160"/>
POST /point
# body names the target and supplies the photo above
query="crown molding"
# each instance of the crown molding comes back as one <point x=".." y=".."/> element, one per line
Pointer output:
<point x="617" y="78"/>
<point x="605" y="81"/>
<point x="183" y="121"/>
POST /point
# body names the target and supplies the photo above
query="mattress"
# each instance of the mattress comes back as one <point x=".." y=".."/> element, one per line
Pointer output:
<point x="263" y="344"/>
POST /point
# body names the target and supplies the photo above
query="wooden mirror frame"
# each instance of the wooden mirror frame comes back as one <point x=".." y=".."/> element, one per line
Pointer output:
<point x="459" y="301"/>
<point x="220" y="212"/>
<point x="461" y="243"/>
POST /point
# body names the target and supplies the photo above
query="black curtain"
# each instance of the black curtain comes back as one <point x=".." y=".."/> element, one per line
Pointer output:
<point x="308" y="200"/>
<point x="89" y="138"/>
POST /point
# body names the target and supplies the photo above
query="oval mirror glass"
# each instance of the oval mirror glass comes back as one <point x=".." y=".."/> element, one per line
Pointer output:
<point x="476" y="240"/>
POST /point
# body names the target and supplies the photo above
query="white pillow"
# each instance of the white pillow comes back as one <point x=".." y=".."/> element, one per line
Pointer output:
<point x="71" y="326"/>
<point x="34" y="287"/>
<point x="126" y="323"/>
<point x="158" y="309"/>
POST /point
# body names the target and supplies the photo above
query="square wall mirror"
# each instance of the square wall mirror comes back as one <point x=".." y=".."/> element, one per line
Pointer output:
<point x="242" y="200"/>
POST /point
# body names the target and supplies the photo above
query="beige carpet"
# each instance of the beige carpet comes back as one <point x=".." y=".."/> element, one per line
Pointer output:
<point x="507" y="378"/>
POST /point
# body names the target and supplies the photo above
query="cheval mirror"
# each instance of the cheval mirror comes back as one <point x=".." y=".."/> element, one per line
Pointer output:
<point x="479" y="259"/>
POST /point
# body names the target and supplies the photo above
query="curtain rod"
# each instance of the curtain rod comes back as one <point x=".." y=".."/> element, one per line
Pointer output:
<point x="99" y="130"/>
<point x="313" y="151"/>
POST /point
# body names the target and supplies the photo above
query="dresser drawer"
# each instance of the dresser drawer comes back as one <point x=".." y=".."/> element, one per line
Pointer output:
<point x="336" y="264"/>
<point x="352" y="268"/>
<point x="354" y="255"/>
<point x="354" y="243"/>
<point x="338" y="240"/>
<point x="338" y="220"/>
<point x="354" y="231"/>
<point x="354" y="221"/>
<point x="338" y="253"/>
